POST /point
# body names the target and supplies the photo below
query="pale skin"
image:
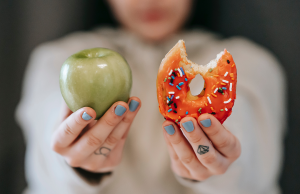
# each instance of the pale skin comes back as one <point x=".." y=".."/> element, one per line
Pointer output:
<point x="97" y="146"/>
<point x="79" y="141"/>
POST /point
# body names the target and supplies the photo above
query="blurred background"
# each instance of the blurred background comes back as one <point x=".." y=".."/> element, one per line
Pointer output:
<point x="25" y="24"/>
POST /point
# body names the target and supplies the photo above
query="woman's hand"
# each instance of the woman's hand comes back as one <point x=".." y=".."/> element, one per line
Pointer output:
<point x="208" y="149"/>
<point x="95" y="146"/>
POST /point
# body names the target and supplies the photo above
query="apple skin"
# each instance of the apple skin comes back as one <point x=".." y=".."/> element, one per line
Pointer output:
<point x="95" y="78"/>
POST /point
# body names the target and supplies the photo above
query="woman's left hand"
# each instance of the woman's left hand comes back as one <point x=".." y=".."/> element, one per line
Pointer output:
<point x="208" y="149"/>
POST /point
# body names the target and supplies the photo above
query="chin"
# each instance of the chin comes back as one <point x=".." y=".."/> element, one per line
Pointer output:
<point x="158" y="33"/>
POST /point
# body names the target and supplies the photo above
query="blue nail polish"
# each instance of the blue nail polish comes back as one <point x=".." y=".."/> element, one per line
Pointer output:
<point x="188" y="126"/>
<point x="86" y="116"/>
<point x="119" y="110"/>
<point x="206" y="122"/>
<point x="133" y="105"/>
<point x="170" y="129"/>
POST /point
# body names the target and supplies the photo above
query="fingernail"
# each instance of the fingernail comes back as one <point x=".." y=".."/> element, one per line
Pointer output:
<point x="133" y="105"/>
<point x="188" y="126"/>
<point x="206" y="122"/>
<point x="86" y="116"/>
<point x="119" y="110"/>
<point x="170" y="129"/>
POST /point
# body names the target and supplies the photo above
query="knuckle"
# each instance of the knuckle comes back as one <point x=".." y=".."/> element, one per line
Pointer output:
<point x="209" y="158"/>
<point x="175" y="157"/>
<point x="111" y="140"/>
<point x="110" y="121"/>
<point x="187" y="159"/>
<point x="94" y="141"/>
<point x="78" y="122"/>
<point x="224" y="143"/>
<point x="176" y="141"/>
<point x="220" y="170"/>
<point x="126" y="120"/>
<point x="195" y="139"/>
<point x="236" y="150"/>
<point x="55" y="147"/>
<point x="73" y="162"/>
<point x="202" y="177"/>
<point x="68" y="130"/>
<point x="212" y="133"/>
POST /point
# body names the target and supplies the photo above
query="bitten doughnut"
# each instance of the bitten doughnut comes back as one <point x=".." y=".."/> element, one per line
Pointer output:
<point x="173" y="91"/>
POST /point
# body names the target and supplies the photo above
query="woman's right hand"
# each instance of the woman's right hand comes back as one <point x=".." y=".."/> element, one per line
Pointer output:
<point x="95" y="146"/>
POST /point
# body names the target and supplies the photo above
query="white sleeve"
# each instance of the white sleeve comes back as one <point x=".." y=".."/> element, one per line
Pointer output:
<point x="38" y="114"/>
<point x="258" y="120"/>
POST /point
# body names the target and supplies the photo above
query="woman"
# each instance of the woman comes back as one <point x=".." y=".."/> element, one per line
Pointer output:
<point x="61" y="160"/>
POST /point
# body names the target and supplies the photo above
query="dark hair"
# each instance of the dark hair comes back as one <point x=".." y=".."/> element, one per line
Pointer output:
<point x="100" y="14"/>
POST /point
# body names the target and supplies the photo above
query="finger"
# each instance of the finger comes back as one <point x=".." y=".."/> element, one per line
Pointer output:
<point x="71" y="127"/>
<point x="176" y="164"/>
<point x="223" y="140"/>
<point x="97" y="135"/>
<point x="184" y="151"/>
<point x="202" y="146"/>
<point x="96" y="164"/>
<point x="118" y="132"/>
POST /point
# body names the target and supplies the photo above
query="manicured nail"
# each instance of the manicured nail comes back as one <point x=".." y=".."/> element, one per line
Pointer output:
<point x="133" y="105"/>
<point x="206" y="122"/>
<point x="170" y="129"/>
<point x="188" y="126"/>
<point x="86" y="116"/>
<point x="119" y="110"/>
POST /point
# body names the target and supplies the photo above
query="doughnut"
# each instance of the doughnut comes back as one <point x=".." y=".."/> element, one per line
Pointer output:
<point x="173" y="92"/>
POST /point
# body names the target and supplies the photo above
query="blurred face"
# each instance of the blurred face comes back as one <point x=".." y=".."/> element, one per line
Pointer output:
<point x="153" y="20"/>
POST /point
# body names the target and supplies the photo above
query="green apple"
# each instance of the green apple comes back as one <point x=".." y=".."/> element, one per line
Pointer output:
<point x="95" y="78"/>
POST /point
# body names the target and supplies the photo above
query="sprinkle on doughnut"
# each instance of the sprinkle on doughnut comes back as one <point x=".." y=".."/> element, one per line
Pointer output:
<point x="205" y="103"/>
<point x="171" y="72"/>
<point x="171" y="92"/>
<point x="216" y="75"/>
<point x="209" y="100"/>
<point x="181" y="83"/>
<point x="170" y="110"/>
<point x="214" y="95"/>
<point x="225" y="81"/>
<point x="171" y="84"/>
<point x="226" y="109"/>
<point x="231" y="74"/>
<point x="172" y="77"/>
<point x="165" y="79"/>
<point x="175" y="105"/>
<point x="199" y="110"/>
<point x="179" y="70"/>
<point x="224" y="88"/>
<point x="221" y="110"/>
<point x="187" y="112"/>
<point x="223" y="84"/>
<point x="182" y="71"/>
<point x="185" y="79"/>
<point x="232" y="65"/>
<point x="226" y="102"/>
<point x="226" y="74"/>
<point x="210" y="70"/>
<point x="230" y="87"/>
<point x="216" y="90"/>
<point x="178" y="87"/>
<point x="177" y="97"/>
